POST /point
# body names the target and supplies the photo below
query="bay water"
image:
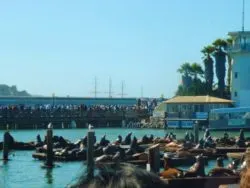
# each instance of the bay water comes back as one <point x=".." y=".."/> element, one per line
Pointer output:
<point x="24" y="171"/>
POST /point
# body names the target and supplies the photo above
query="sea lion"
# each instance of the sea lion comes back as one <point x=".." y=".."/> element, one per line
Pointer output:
<point x="209" y="143"/>
<point x="151" y="138"/>
<point x="226" y="136"/>
<point x="144" y="140"/>
<point x="38" y="138"/>
<point x="206" y="134"/>
<point x="166" y="136"/>
<point x="104" y="158"/>
<point x="140" y="156"/>
<point x="82" y="153"/>
<point x="62" y="141"/>
<point x="219" y="170"/>
<point x="234" y="164"/>
<point x="240" y="142"/>
<point x="187" y="138"/>
<point x="110" y="150"/>
<point x="9" y="139"/>
<point x="169" y="171"/>
<point x="127" y="139"/>
<point x="85" y="141"/>
<point x="225" y="140"/>
<point x="135" y="147"/>
<point x="198" y="169"/>
<point x="117" y="157"/>
<point x="98" y="152"/>
<point x="172" y="136"/>
<point x="191" y="137"/>
<point x="200" y="145"/>
<point x="119" y="139"/>
<point x="38" y="141"/>
<point x="104" y="142"/>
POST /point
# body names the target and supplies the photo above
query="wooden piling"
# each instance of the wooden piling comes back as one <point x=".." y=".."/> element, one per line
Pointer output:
<point x="154" y="158"/>
<point x="49" y="158"/>
<point x="196" y="132"/>
<point x="6" y="146"/>
<point x="90" y="154"/>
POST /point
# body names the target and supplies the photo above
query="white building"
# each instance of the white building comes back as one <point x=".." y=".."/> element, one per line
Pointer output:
<point x="240" y="53"/>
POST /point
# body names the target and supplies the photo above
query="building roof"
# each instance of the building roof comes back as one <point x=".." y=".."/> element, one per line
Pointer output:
<point x="241" y="33"/>
<point x="197" y="99"/>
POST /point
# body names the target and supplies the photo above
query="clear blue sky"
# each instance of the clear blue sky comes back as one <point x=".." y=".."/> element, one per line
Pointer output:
<point x="60" y="46"/>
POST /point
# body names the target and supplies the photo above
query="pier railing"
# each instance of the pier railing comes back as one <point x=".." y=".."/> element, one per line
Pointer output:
<point x="240" y="47"/>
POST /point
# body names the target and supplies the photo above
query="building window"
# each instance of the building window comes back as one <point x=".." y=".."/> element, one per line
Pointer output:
<point x="236" y="75"/>
<point x="202" y="108"/>
<point x="235" y="94"/>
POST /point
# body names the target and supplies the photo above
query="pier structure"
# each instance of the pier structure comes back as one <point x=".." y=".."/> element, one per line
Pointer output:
<point x="69" y="118"/>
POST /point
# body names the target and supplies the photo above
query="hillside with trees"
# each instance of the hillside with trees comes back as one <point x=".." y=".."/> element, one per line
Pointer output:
<point x="9" y="91"/>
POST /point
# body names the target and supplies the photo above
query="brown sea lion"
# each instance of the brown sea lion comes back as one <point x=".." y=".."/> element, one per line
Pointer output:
<point x="169" y="172"/>
<point x="198" y="169"/>
<point x="104" y="158"/>
<point x="140" y="156"/>
<point x="219" y="170"/>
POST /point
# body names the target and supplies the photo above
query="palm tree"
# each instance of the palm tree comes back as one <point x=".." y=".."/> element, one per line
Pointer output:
<point x="229" y="61"/>
<point x="196" y="70"/>
<point x="220" y="63"/>
<point x="209" y="67"/>
<point x="192" y="84"/>
<point x="186" y="70"/>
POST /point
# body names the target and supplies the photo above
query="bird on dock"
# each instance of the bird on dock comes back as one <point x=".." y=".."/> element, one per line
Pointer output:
<point x="50" y="126"/>
<point x="91" y="126"/>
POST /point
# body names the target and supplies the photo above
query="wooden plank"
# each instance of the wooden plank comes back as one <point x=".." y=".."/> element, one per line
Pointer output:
<point x="134" y="162"/>
<point x="236" y="155"/>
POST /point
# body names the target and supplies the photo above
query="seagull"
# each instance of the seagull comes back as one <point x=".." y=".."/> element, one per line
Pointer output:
<point x="50" y="126"/>
<point x="90" y="127"/>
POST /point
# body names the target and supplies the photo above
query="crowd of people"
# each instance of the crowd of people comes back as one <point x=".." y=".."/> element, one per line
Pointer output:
<point x="12" y="111"/>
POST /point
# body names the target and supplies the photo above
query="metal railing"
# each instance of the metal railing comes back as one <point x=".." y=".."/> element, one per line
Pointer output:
<point x="240" y="48"/>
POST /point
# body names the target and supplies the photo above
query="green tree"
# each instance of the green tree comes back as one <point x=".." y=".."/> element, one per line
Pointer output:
<point x="186" y="71"/>
<point x="196" y="70"/>
<point x="197" y="73"/>
<point x="209" y="67"/>
<point x="220" y="63"/>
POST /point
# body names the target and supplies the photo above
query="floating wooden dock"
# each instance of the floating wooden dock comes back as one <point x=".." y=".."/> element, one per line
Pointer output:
<point x="42" y="156"/>
<point x="236" y="155"/>
<point x="225" y="150"/>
